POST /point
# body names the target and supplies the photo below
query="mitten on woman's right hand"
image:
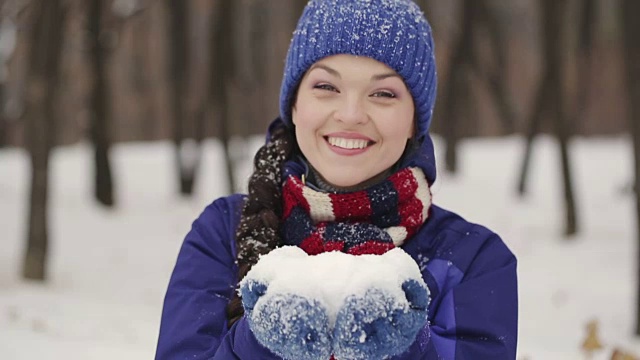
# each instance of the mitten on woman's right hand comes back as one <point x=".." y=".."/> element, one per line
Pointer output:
<point x="292" y="325"/>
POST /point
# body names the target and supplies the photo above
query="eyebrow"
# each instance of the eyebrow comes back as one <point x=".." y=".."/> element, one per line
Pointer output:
<point x="327" y="69"/>
<point x="384" y="76"/>
<point x="334" y="72"/>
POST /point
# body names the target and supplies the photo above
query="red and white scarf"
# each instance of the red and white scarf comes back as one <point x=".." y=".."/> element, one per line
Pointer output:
<point x="369" y="221"/>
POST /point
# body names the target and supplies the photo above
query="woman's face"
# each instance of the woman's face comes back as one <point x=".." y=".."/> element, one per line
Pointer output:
<point x="353" y="116"/>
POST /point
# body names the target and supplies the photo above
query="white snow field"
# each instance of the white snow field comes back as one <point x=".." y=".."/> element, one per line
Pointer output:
<point x="108" y="269"/>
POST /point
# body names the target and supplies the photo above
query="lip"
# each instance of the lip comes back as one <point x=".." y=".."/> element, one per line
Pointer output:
<point x="348" y="135"/>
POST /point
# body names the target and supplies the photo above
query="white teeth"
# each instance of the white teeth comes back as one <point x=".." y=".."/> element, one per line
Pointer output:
<point x="348" y="143"/>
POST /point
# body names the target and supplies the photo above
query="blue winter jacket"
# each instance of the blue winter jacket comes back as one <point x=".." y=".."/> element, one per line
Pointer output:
<point x="470" y="272"/>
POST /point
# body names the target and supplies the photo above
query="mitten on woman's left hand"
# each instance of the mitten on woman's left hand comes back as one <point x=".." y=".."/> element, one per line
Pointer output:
<point x="378" y="324"/>
<point x="290" y="323"/>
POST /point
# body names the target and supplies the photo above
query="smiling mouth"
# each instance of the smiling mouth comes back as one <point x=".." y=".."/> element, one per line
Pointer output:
<point x="348" y="144"/>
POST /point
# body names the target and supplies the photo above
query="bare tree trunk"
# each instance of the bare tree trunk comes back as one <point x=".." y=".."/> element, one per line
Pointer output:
<point x="140" y="74"/>
<point x="187" y="152"/>
<point x="458" y="93"/>
<point x="550" y="99"/>
<point x="631" y="29"/>
<point x="3" y="84"/>
<point x="534" y="123"/>
<point x="100" y="101"/>
<point x="3" y="119"/>
<point x="544" y="95"/>
<point x="44" y="58"/>
<point x="588" y="23"/>
<point x="563" y="134"/>
<point x="496" y="76"/>
<point x="554" y="11"/>
<point x="222" y="65"/>
<point x="258" y="52"/>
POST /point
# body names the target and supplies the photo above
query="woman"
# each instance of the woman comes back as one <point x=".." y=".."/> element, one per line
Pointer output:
<point x="356" y="103"/>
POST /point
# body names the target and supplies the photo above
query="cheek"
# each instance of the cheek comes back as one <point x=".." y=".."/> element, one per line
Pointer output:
<point x="399" y="130"/>
<point x="299" y="122"/>
<point x="295" y="115"/>
<point x="304" y="125"/>
<point x="409" y="127"/>
<point x="306" y="116"/>
<point x="412" y="128"/>
<point x="407" y="113"/>
<point x="302" y="122"/>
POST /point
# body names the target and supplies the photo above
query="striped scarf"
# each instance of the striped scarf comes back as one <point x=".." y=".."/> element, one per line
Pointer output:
<point x="370" y="221"/>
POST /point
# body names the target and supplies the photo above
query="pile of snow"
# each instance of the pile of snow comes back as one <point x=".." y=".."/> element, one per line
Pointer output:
<point x="330" y="278"/>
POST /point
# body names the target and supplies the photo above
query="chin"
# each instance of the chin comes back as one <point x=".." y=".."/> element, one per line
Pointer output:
<point x="344" y="182"/>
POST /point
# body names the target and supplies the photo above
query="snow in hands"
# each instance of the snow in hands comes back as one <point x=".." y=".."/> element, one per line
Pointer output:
<point x="355" y="307"/>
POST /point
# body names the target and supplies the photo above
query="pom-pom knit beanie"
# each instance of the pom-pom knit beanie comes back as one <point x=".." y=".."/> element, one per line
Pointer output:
<point x="393" y="32"/>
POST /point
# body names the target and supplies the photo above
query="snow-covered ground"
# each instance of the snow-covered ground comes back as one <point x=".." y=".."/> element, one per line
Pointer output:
<point x="109" y="268"/>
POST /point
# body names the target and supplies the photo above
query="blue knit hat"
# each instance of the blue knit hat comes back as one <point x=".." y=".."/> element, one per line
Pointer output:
<point x="394" y="32"/>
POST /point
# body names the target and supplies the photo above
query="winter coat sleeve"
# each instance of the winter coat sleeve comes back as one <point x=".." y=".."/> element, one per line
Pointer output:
<point x="240" y="343"/>
<point x="474" y="308"/>
<point x="194" y="323"/>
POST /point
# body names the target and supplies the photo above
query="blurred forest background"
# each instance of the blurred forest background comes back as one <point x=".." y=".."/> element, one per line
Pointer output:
<point x="157" y="59"/>
<point x="102" y="72"/>
<point x="109" y="71"/>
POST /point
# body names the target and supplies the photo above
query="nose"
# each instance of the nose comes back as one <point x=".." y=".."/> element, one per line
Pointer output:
<point x="352" y="111"/>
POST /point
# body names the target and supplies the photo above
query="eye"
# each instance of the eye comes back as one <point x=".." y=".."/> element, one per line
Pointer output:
<point x="384" y="94"/>
<point x="326" y="87"/>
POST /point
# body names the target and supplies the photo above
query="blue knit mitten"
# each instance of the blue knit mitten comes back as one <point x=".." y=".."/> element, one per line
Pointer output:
<point x="379" y="325"/>
<point x="291" y="326"/>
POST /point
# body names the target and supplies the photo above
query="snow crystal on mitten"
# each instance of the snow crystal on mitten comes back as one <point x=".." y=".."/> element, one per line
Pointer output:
<point x="378" y="325"/>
